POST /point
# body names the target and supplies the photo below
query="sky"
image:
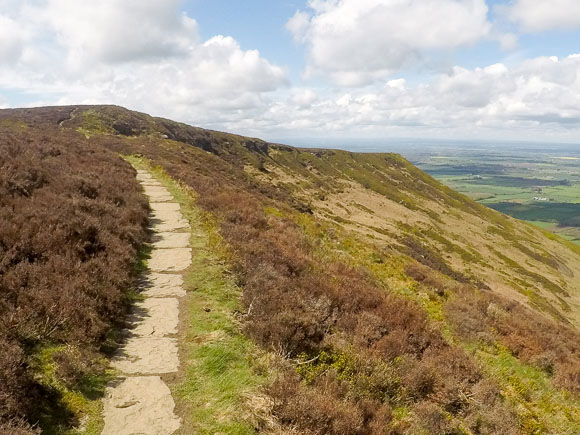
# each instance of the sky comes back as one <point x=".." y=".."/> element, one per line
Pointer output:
<point x="309" y="70"/>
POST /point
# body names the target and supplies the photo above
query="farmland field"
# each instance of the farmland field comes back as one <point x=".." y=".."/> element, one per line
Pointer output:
<point x="538" y="184"/>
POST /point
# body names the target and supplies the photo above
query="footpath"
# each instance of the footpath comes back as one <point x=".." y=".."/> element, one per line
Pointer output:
<point x="139" y="401"/>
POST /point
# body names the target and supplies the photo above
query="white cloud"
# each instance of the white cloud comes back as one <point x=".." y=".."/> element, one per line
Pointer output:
<point x="303" y="98"/>
<point x="142" y="54"/>
<point x="12" y="40"/>
<point x="358" y="41"/>
<point x="221" y="64"/>
<point x="216" y="82"/>
<point x="298" y="25"/>
<point x="538" y="15"/>
<point x="119" y="31"/>
<point x="538" y="99"/>
<point x="507" y="41"/>
<point x="53" y="51"/>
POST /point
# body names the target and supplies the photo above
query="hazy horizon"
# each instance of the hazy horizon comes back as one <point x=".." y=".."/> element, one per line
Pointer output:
<point x="421" y="144"/>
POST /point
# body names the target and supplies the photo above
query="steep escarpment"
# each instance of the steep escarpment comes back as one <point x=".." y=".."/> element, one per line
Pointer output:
<point x="395" y="304"/>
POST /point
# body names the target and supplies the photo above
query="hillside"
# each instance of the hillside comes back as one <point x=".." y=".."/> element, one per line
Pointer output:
<point x="394" y="304"/>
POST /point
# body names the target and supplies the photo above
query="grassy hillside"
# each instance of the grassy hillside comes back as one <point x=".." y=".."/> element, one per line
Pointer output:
<point x="394" y="304"/>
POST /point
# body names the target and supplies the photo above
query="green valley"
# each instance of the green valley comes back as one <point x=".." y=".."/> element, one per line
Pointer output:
<point x="538" y="185"/>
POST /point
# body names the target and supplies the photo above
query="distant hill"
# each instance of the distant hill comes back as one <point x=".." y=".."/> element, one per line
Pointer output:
<point x="400" y="305"/>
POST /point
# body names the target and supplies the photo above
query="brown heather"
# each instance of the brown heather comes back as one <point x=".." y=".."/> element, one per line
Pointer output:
<point x="479" y="315"/>
<point x="72" y="220"/>
<point x="551" y="346"/>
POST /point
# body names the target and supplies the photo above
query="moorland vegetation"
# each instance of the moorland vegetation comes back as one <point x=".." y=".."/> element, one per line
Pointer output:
<point x="72" y="221"/>
<point x="391" y="303"/>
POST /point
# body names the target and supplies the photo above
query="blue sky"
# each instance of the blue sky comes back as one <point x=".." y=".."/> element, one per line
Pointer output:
<point x="330" y="70"/>
<point x="261" y="24"/>
<point x="255" y="24"/>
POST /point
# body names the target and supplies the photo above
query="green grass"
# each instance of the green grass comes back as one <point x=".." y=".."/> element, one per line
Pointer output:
<point x="81" y="401"/>
<point x="541" y="407"/>
<point x="573" y="236"/>
<point x="542" y="224"/>
<point x="93" y="123"/>
<point x="223" y="370"/>
<point x="563" y="214"/>
<point x="513" y="192"/>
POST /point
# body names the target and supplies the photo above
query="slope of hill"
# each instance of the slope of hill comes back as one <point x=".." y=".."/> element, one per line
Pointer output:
<point x="395" y="304"/>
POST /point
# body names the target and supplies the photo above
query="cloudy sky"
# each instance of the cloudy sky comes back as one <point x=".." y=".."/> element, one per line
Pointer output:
<point x="336" y="69"/>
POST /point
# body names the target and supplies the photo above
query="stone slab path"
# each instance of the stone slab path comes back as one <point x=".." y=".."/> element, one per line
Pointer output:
<point x="139" y="402"/>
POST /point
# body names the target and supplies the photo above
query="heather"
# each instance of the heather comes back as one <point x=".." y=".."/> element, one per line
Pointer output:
<point x="72" y="220"/>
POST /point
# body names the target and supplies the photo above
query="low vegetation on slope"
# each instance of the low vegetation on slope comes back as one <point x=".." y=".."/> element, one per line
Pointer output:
<point x="395" y="304"/>
<point x="72" y="220"/>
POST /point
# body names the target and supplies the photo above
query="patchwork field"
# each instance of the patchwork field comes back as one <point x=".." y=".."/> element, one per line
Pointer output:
<point x="538" y="185"/>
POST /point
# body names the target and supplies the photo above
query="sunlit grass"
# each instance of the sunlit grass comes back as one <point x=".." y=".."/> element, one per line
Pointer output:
<point x="542" y="408"/>
<point x="81" y="401"/>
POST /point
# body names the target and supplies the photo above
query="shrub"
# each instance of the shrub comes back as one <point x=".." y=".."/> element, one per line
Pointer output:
<point x="72" y="218"/>
<point x="550" y="345"/>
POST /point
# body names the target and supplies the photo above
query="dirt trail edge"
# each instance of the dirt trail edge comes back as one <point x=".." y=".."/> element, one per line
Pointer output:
<point x="139" y="401"/>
